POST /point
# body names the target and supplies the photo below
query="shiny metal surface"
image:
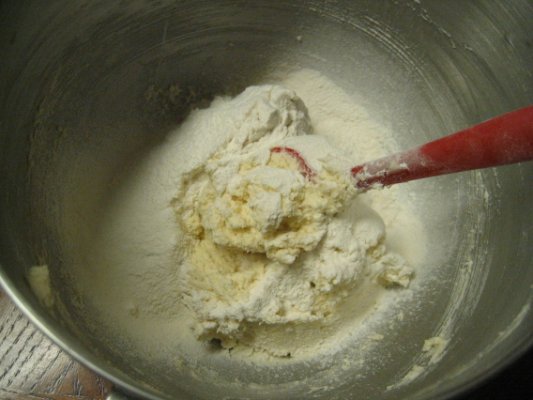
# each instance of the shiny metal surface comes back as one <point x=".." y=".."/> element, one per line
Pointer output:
<point x="84" y="88"/>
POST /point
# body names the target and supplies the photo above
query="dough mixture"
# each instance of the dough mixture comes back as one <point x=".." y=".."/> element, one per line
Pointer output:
<point x="221" y="243"/>
<point x="271" y="240"/>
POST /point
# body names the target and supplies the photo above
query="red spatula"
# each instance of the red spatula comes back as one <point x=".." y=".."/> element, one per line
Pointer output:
<point x="501" y="140"/>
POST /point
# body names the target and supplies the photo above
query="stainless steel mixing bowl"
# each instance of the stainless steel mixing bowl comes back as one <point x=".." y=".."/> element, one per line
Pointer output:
<point x="85" y="86"/>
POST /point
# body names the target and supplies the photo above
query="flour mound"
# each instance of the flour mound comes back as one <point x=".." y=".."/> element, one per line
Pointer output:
<point x="267" y="244"/>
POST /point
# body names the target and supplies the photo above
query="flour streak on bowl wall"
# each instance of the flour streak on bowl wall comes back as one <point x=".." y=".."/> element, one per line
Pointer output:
<point x="186" y="259"/>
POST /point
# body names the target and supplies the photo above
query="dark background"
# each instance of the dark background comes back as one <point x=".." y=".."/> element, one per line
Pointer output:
<point x="513" y="383"/>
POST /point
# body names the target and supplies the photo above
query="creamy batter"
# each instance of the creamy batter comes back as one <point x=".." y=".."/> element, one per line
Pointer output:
<point x="39" y="279"/>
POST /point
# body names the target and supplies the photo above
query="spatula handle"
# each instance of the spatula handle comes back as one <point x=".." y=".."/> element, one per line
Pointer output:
<point x="505" y="139"/>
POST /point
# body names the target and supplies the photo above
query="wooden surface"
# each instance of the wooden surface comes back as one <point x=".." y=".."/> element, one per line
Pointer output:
<point x="32" y="368"/>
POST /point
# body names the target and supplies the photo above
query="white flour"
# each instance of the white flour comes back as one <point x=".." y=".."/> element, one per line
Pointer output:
<point x="129" y="274"/>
